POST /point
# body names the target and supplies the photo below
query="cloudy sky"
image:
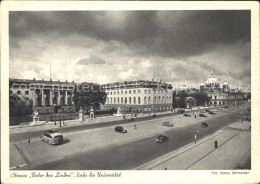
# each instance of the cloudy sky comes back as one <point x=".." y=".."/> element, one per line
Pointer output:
<point x="110" y="46"/>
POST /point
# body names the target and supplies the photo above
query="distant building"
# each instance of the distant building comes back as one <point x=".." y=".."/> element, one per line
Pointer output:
<point x="139" y="96"/>
<point x="220" y="94"/>
<point x="45" y="96"/>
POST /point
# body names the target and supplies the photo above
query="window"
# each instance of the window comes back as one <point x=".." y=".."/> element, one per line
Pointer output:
<point x="139" y="91"/>
<point x="122" y="92"/>
<point x="18" y="92"/>
<point x="118" y="101"/>
<point x="149" y="91"/>
<point x="111" y="101"/>
<point x="139" y="100"/>
<point x="27" y="92"/>
<point x="215" y="97"/>
<point x="149" y="100"/>
<point x="122" y="100"/>
<point x="129" y="91"/>
<point x="114" y="100"/>
<point x="145" y="91"/>
<point x="125" y="100"/>
<point x="145" y="100"/>
<point x="134" y="91"/>
<point x="125" y="92"/>
<point x="134" y="100"/>
<point x="130" y="101"/>
<point x="155" y="100"/>
<point x="114" y="92"/>
<point x="159" y="100"/>
<point x="118" y="92"/>
<point x="108" y="100"/>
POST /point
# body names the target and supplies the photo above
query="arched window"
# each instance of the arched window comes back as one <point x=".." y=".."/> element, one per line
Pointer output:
<point x="149" y="100"/>
<point x="125" y="100"/>
<point x="130" y="100"/>
<point x="145" y="100"/>
<point x="163" y="100"/>
<point x="139" y="100"/>
<point x="118" y="101"/>
<point x="134" y="100"/>
<point x="122" y="100"/>
<point x="111" y="100"/>
<point x="114" y="100"/>
<point x="155" y="100"/>
<point x="107" y="100"/>
<point x="159" y="100"/>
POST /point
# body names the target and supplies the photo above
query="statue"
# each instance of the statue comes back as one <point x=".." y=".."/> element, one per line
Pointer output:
<point x="35" y="115"/>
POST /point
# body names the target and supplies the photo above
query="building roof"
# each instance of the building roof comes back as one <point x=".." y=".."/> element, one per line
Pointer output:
<point x="212" y="80"/>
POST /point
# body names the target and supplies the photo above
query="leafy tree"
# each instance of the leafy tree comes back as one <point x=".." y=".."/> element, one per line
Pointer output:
<point x="201" y="98"/>
<point x="88" y="95"/>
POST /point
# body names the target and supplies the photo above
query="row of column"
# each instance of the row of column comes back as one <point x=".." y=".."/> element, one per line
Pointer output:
<point x="51" y="98"/>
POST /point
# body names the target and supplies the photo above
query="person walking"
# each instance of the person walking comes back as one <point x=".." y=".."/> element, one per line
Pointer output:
<point x="195" y="138"/>
<point x="135" y="127"/>
<point x="216" y="144"/>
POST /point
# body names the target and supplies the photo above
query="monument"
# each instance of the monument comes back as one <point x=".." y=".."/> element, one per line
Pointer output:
<point x="81" y="114"/>
<point x="35" y="118"/>
<point x="91" y="114"/>
<point x="118" y="113"/>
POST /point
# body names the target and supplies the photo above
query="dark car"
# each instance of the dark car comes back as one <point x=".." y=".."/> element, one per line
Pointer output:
<point x="204" y="124"/>
<point x="211" y="112"/>
<point x="161" y="139"/>
<point x="52" y="137"/>
<point x="226" y="107"/>
<point x="169" y="124"/>
<point x="154" y="115"/>
<point x="207" y="110"/>
<point x="203" y="115"/>
<point x="188" y="115"/>
<point x="180" y="111"/>
<point x="219" y="109"/>
<point x="120" y="129"/>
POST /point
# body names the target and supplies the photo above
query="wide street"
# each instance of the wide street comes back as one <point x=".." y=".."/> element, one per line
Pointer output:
<point x="103" y="149"/>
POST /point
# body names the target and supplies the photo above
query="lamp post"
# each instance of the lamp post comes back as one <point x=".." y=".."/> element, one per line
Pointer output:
<point x="237" y="96"/>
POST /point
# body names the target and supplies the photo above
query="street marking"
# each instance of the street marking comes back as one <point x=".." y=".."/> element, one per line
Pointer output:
<point x="22" y="154"/>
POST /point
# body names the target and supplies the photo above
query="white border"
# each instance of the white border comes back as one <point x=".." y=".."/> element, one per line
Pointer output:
<point x="133" y="176"/>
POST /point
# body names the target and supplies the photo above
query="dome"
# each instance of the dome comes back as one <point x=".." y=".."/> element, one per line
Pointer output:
<point x="225" y="83"/>
<point x="212" y="80"/>
<point x="202" y="84"/>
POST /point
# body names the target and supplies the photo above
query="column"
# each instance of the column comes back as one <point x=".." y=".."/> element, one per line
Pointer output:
<point x="34" y="98"/>
<point x="51" y="97"/>
<point x="58" y="100"/>
<point x="66" y="98"/>
<point x="72" y="95"/>
<point x="43" y="99"/>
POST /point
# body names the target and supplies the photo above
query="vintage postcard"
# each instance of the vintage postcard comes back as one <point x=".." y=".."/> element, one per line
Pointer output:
<point x="123" y="92"/>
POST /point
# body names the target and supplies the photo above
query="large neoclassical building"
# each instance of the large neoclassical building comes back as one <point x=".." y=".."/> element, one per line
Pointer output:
<point x="221" y="94"/>
<point x="44" y="96"/>
<point x="139" y="96"/>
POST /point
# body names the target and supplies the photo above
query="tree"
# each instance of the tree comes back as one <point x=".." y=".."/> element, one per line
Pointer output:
<point x="201" y="98"/>
<point x="88" y="95"/>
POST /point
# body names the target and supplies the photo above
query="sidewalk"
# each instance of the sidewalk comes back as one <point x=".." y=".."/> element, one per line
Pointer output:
<point x="234" y="143"/>
<point x="51" y="125"/>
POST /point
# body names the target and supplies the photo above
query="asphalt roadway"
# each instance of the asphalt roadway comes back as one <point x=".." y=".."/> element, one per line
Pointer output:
<point x="133" y="154"/>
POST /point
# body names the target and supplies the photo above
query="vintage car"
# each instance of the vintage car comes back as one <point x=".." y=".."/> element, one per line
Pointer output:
<point x="161" y="139"/>
<point x="204" y="124"/>
<point x="52" y="137"/>
<point x="169" y="124"/>
<point x="188" y="115"/>
<point x="203" y="115"/>
<point x="120" y="129"/>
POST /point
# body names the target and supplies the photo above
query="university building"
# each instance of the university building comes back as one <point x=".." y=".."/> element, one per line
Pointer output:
<point x="45" y="96"/>
<point x="138" y="96"/>
<point x="220" y="94"/>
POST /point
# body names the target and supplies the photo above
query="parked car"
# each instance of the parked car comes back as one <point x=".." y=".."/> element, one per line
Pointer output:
<point x="169" y="124"/>
<point x="219" y="108"/>
<point x="161" y="139"/>
<point x="204" y="124"/>
<point x="186" y="115"/>
<point x="207" y="110"/>
<point x="226" y="106"/>
<point x="203" y="115"/>
<point x="52" y="137"/>
<point x="154" y="115"/>
<point x="120" y="129"/>
<point x="180" y="111"/>
<point x="211" y="112"/>
<point x="203" y="111"/>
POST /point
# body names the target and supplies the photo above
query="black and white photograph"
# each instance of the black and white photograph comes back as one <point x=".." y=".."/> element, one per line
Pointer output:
<point x="129" y="89"/>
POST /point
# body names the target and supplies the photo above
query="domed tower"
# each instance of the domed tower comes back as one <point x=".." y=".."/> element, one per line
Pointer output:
<point x="202" y="87"/>
<point x="212" y="82"/>
<point x="225" y="86"/>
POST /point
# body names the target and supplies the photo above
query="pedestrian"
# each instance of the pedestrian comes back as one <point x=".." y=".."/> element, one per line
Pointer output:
<point x="216" y="144"/>
<point x="135" y="127"/>
<point x="29" y="140"/>
<point x="195" y="116"/>
<point x="195" y="138"/>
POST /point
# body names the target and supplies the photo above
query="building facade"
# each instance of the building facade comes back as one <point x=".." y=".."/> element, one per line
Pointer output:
<point x="45" y="96"/>
<point x="221" y="94"/>
<point x="139" y="96"/>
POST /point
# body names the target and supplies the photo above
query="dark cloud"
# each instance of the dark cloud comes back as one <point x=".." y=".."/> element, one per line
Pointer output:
<point x="173" y="34"/>
<point x="93" y="59"/>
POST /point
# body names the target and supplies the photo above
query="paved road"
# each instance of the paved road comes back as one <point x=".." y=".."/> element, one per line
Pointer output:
<point x="133" y="154"/>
